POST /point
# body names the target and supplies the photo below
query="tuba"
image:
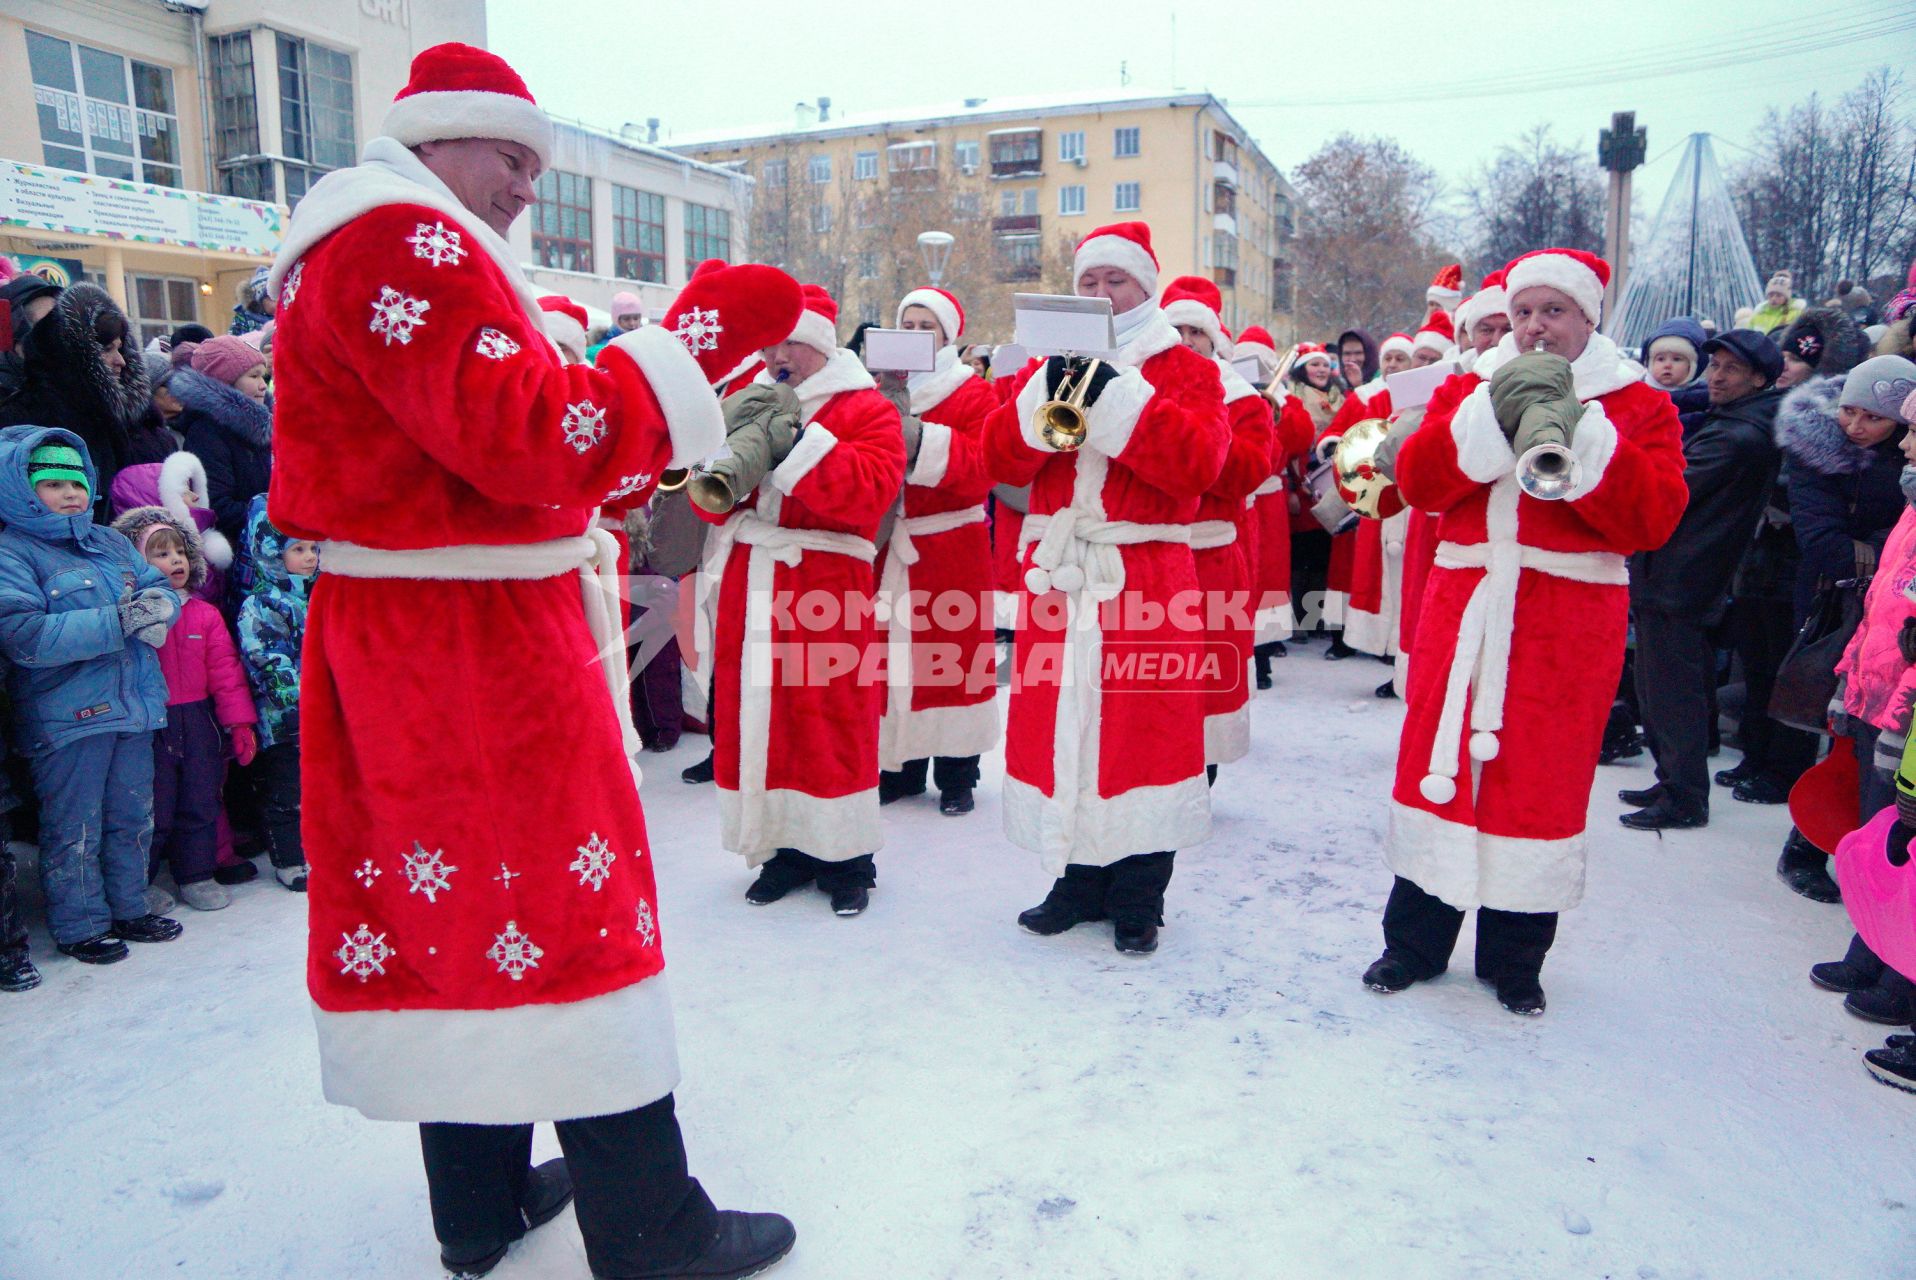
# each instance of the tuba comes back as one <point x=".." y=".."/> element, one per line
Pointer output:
<point x="1354" y="470"/>
<point x="1060" y="420"/>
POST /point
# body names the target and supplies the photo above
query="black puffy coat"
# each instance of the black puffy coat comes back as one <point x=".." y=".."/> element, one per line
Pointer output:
<point x="1840" y="492"/>
<point x="233" y="437"/>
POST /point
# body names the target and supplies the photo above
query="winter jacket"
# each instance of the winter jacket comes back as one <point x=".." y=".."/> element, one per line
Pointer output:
<point x="179" y="485"/>
<point x="63" y="382"/>
<point x="1770" y="317"/>
<point x="1879" y="687"/>
<point x="1730" y="463"/>
<point x="61" y="582"/>
<point x="233" y="436"/>
<point x="1838" y="345"/>
<point x="1840" y="493"/>
<point x="246" y="320"/>
<point x="272" y="627"/>
<point x="198" y="658"/>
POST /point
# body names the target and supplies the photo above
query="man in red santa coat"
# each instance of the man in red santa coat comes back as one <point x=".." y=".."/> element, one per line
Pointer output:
<point x="1521" y="637"/>
<point x="1269" y="506"/>
<point x="941" y="707"/>
<point x="1104" y="742"/>
<point x="796" y="694"/>
<point x="485" y="950"/>
<point x="1192" y="305"/>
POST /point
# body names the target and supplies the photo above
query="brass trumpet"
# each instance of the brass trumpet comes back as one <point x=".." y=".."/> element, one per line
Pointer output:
<point x="1060" y="420"/>
<point x="672" y="479"/>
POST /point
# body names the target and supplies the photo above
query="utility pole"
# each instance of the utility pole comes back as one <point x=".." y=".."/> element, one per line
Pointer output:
<point x="1620" y="149"/>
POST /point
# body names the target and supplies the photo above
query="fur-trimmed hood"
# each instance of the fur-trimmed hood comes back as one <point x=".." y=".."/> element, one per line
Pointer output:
<point x="240" y="416"/>
<point x="66" y="345"/>
<point x="1841" y="344"/>
<point x="1808" y="431"/>
<point x="135" y="524"/>
<point x="179" y="485"/>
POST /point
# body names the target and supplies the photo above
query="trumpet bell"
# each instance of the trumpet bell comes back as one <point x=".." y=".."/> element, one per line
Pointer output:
<point x="710" y="492"/>
<point x="1549" y="471"/>
<point x="1060" y="422"/>
<point x="1354" y="470"/>
<point x="672" y="479"/>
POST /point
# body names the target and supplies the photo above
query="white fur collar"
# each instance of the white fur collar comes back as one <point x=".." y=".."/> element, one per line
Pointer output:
<point x="842" y="372"/>
<point x="387" y="173"/>
<point x="929" y="390"/>
<point x="1601" y="369"/>
<point x="1152" y="335"/>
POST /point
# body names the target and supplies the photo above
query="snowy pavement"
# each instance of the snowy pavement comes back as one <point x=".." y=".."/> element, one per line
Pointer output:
<point x="930" y="1092"/>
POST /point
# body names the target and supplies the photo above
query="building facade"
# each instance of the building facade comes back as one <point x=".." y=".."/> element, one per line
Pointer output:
<point x="840" y="201"/>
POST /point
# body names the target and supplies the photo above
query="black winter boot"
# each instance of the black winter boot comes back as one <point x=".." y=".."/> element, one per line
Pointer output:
<point x="746" y="1244"/>
<point x="148" y="928"/>
<point x="956" y="802"/>
<point x="17" y="972"/>
<point x="1076" y="898"/>
<point x="1388" y="975"/>
<point x="1643" y="797"/>
<point x="1892" y="1001"/>
<point x="701" y="772"/>
<point x="785" y="871"/>
<point x="103" y="949"/>
<point x="1668" y="813"/>
<point x="1806" y="870"/>
<point x="1135" y="899"/>
<point x="1893" y="1065"/>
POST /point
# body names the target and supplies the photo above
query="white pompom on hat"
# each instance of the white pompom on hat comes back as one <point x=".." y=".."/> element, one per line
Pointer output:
<point x="458" y="91"/>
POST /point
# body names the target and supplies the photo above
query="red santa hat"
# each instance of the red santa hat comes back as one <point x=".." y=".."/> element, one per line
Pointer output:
<point x="1397" y="342"/>
<point x="1256" y="341"/>
<point x="817" y="325"/>
<point x="1195" y="302"/>
<point x="1446" y="287"/>
<point x="1489" y="300"/>
<point x="566" y="323"/>
<point x="726" y="314"/>
<point x="943" y="307"/>
<point x="1309" y="351"/>
<point x="1580" y="276"/>
<point x="458" y="91"/>
<point x="1124" y="245"/>
<point x="1435" y="334"/>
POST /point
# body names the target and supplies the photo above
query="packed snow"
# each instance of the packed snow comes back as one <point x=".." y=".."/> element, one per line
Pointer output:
<point x="927" y="1091"/>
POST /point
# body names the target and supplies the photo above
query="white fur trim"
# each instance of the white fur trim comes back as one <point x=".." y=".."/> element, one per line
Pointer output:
<point x="1593" y="444"/>
<point x="1431" y="340"/>
<point x="1396" y="342"/>
<point x="470" y="113"/>
<point x="937" y="731"/>
<point x="1483" y="453"/>
<point x="1564" y="274"/>
<point x="568" y="333"/>
<point x="517" y="1065"/>
<point x="1030" y="397"/>
<point x="813" y="444"/>
<point x="1110" y="421"/>
<point x="1480" y="305"/>
<point x="829" y="828"/>
<point x="939" y="306"/>
<point x="1154" y="336"/>
<point x="1106" y="829"/>
<point x="1193" y="314"/>
<point x="1127" y="256"/>
<point x="934" y="456"/>
<point x="1227" y="735"/>
<point x="926" y="391"/>
<point x="842" y="372"/>
<point x="182" y="471"/>
<point x="1235" y="388"/>
<point x="693" y="417"/>
<point x="815" y="331"/>
<point x="1468" y="868"/>
<point x="218" y="551"/>
<point x="1275" y="622"/>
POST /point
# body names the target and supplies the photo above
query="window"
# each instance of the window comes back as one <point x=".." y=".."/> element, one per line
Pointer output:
<point x="638" y="235"/>
<point x="1071" y="146"/>
<point x="1128" y="198"/>
<point x="315" y="112"/>
<point x="819" y="169"/>
<point x="864" y="165"/>
<point x="1020" y="257"/>
<point x="708" y="233"/>
<point x="865" y="213"/>
<point x="1016" y="152"/>
<point x="1285" y="218"/>
<point x="968" y="206"/>
<point x="1070" y="200"/>
<point x="1124" y="142"/>
<point x="966" y="154"/>
<point x="822" y="219"/>
<point x="562" y="221"/>
<point x="161" y="304"/>
<point x="911" y="157"/>
<point x="868" y="266"/>
<point x="236" y="119"/>
<point x="1223" y="198"/>
<point x="868" y="313"/>
<point x="1021" y="201"/>
<point x="104" y="114"/>
<point x="775" y="173"/>
<point x="1223" y="146"/>
<point x="1283" y="285"/>
<point x="1224" y="257"/>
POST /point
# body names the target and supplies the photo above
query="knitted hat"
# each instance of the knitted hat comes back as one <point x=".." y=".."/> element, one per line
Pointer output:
<point x="817" y="325"/>
<point x="1124" y="245"/>
<point x="57" y="462"/>
<point x="225" y="359"/>
<point x="1580" y="276"/>
<point x="1880" y="385"/>
<point x="1781" y="283"/>
<point x="625" y="303"/>
<point x="943" y="307"/>
<point x="1397" y="342"/>
<point x="565" y="323"/>
<point x="1446" y="287"/>
<point x="457" y="91"/>
<point x="1436" y="334"/>
<point x="1193" y="301"/>
<point x="1675" y="342"/>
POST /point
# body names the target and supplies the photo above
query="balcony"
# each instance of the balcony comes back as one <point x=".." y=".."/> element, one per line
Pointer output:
<point x="1224" y="277"/>
<point x="1224" y="171"/>
<point x="1026" y="223"/>
<point x="1226" y="222"/>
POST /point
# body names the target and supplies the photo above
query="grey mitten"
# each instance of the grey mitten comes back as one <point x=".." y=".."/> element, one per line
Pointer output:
<point x="914" y="435"/>
<point x="146" y="609"/>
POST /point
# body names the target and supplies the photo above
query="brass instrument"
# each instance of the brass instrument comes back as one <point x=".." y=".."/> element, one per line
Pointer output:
<point x="1354" y="470"/>
<point x="1546" y="468"/>
<point x="1060" y="420"/>
<point x="672" y="479"/>
<point x="711" y="491"/>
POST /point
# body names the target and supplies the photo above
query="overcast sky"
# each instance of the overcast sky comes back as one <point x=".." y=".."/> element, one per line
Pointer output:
<point x="1294" y="74"/>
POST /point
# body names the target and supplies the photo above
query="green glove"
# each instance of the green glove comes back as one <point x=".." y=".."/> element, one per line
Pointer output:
<point x="1526" y="380"/>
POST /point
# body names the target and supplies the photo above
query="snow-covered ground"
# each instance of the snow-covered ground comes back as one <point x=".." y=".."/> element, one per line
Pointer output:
<point x="930" y="1092"/>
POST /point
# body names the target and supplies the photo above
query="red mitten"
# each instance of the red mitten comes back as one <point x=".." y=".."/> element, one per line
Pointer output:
<point x="245" y="744"/>
<point x="724" y="313"/>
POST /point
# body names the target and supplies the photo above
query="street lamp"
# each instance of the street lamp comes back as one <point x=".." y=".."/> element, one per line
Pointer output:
<point x="935" y="248"/>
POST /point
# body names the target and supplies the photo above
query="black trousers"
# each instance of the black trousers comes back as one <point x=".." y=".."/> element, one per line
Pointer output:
<point x="1421" y="930"/>
<point x="950" y="773"/>
<point x="1676" y="681"/>
<point x="276" y="769"/>
<point x="1130" y="891"/>
<point x="13" y="929"/>
<point x="794" y="867"/>
<point x="1763" y="630"/>
<point x="638" y="1207"/>
<point x="1310" y="572"/>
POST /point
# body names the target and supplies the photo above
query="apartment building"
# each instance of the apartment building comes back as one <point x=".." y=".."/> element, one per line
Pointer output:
<point x="841" y="200"/>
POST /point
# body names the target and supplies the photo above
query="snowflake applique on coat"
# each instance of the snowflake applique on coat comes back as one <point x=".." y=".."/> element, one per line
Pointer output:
<point x="584" y="425"/>
<point x="366" y="873"/>
<point x="428" y="872"/>
<point x="289" y="288"/>
<point x="699" y="330"/>
<point x="438" y="244"/>
<point x="494" y="345"/>
<point x="514" y="952"/>
<point x="594" y="862"/>
<point x="629" y="485"/>
<point x="363" y="953"/>
<point x="647" y="926"/>
<point x="396" y="315"/>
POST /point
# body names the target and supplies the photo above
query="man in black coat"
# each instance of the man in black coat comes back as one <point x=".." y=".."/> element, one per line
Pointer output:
<point x="1679" y="591"/>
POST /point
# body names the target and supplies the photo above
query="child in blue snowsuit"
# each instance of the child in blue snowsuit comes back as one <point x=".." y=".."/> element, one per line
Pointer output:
<point x="272" y="630"/>
<point x="81" y="616"/>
